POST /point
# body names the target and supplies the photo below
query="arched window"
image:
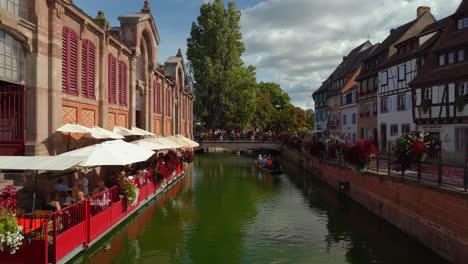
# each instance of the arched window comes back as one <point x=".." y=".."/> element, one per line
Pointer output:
<point x="11" y="59"/>
<point x="140" y="67"/>
<point x="88" y="58"/>
<point x="69" y="61"/>
<point x="122" y="83"/>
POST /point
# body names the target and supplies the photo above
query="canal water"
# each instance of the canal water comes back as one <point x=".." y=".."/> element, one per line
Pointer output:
<point x="226" y="211"/>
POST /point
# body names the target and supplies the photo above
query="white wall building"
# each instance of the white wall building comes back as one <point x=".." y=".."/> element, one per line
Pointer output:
<point x="349" y="112"/>
<point x="395" y="116"/>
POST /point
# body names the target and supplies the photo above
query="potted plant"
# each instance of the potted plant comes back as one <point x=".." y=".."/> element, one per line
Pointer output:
<point x="426" y="104"/>
<point x="130" y="189"/>
<point x="360" y="155"/>
<point x="11" y="236"/>
<point x="460" y="102"/>
<point x="409" y="149"/>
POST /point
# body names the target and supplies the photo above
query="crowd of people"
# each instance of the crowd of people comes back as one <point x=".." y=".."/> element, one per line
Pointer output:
<point x="266" y="161"/>
<point x="222" y="134"/>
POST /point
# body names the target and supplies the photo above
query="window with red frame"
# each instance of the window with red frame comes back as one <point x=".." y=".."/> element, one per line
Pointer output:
<point x="157" y="98"/>
<point x="69" y="61"/>
<point x="111" y="79"/>
<point x="88" y="53"/>
<point x="122" y="83"/>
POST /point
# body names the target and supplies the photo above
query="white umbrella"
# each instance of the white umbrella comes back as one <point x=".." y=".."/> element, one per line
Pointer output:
<point x="123" y="131"/>
<point x="150" y="145"/>
<point x="188" y="141"/>
<point x="100" y="133"/>
<point x="73" y="128"/>
<point x="116" y="152"/>
<point x="164" y="141"/>
<point x="141" y="132"/>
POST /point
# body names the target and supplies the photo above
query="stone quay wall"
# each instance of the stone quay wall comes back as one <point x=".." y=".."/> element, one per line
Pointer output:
<point x="434" y="216"/>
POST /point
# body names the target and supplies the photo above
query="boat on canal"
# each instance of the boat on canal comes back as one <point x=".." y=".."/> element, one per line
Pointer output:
<point x="272" y="171"/>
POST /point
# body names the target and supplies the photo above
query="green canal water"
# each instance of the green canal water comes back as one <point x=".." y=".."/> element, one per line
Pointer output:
<point x="226" y="211"/>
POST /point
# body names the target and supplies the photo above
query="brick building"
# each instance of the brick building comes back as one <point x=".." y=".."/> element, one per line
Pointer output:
<point x="59" y="65"/>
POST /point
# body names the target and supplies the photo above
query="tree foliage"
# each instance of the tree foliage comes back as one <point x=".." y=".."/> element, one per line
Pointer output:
<point x="224" y="88"/>
<point x="310" y="118"/>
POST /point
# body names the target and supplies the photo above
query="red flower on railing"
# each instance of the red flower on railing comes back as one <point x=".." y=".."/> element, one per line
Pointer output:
<point x="360" y="154"/>
<point x="187" y="156"/>
<point x="8" y="198"/>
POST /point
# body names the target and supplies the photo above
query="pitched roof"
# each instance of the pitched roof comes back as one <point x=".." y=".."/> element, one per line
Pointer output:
<point x="395" y="35"/>
<point x="462" y="8"/>
<point x="450" y="38"/>
<point x="398" y="58"/>
<point x="349" y="64"/>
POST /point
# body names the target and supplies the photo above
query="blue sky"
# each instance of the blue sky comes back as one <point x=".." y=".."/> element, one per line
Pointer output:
<point x="173" y="18"/>
<point x="296" y="43"/>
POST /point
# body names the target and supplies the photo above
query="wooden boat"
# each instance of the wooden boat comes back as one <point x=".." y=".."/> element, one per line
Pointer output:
<point x="260" y="167"/>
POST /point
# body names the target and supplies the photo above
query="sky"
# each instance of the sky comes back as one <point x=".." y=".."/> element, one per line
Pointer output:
<point x="296" y="43"/>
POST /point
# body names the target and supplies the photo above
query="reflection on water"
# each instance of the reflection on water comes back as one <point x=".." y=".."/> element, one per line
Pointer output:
<point x="226" y="211"/>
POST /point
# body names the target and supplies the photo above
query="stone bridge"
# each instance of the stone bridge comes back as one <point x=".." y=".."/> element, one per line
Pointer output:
<point x="240" y="145"/>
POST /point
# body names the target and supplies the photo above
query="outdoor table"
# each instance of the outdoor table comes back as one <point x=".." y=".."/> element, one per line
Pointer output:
<point x="30" y="225"/>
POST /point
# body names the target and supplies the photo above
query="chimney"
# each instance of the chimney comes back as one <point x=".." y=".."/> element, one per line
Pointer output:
<point x="421" y="10"/>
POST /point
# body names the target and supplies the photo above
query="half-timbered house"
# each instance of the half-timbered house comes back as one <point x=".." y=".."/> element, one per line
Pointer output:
<point x="370" y="81"/>
<point x="394" y="94"/>
<point x="440" y="90"/>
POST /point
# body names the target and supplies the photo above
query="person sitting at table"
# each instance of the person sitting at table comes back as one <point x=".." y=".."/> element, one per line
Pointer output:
<point x="60" y="186"/>
<point x="83" y="182"/>
<point x="103" y="199"/>
<point x="53" y="202"/>
<point x="76" y="190"/>
<point x="80" y="197"/>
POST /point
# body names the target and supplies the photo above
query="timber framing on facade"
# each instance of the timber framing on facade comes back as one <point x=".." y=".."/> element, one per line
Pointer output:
<point x="75" y="68"/>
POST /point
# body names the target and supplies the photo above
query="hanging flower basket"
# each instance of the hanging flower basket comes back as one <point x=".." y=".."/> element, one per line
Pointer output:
<point x="130" y="190"/>
<point x="11" y="237"/>
<point x="460" y="102"/>
<point x="410" y="149"/>
<point x="360" y="155"/>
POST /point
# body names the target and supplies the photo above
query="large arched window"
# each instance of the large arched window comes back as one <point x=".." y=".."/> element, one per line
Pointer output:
<point x="141" y="62"/>
<point x="11" y="59"/>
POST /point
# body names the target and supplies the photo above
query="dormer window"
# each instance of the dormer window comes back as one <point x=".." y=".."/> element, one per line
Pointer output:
<point x="463" y="23"/>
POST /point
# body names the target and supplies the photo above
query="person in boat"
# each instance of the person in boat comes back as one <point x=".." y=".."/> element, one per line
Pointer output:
<point x="259" y="159"/>
<point x="269" y="163"/>
<point x="264" y="161"/>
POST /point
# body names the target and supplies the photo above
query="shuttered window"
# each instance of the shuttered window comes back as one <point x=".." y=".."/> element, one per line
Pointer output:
<point x="111" y="79"/>
<point x="168" y="102"/>
<point x="122" y="83"/>
<point x="69" y="61"/>
<point x="157" y="98"/>
<point x="88" y="58"/>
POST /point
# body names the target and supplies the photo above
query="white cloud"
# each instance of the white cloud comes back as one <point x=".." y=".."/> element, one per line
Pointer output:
<point x="298" y="43"/>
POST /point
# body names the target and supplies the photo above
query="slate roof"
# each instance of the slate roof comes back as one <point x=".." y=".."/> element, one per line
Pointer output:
<point x="394" y="36"/>
<point x="350" y="63"/>
<point x="450" y="38"/>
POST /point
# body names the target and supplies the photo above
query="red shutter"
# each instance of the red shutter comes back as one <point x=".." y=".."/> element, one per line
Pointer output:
<point x="88" y="69"/>
<point x="69" y="61"/>
<point x="122" y="83"/>
<point x="155" y="97"/>
<point x="73" y="63"/>
<point x="111" y="79"/>
<point x="159" y="99"/>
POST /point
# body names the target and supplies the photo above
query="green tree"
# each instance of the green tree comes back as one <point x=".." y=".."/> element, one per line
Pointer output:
<point x="274" y="109"/>
<point x="310" y="118"/>
<point x="299" y="119"/>
<point x="224" y="88"/>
